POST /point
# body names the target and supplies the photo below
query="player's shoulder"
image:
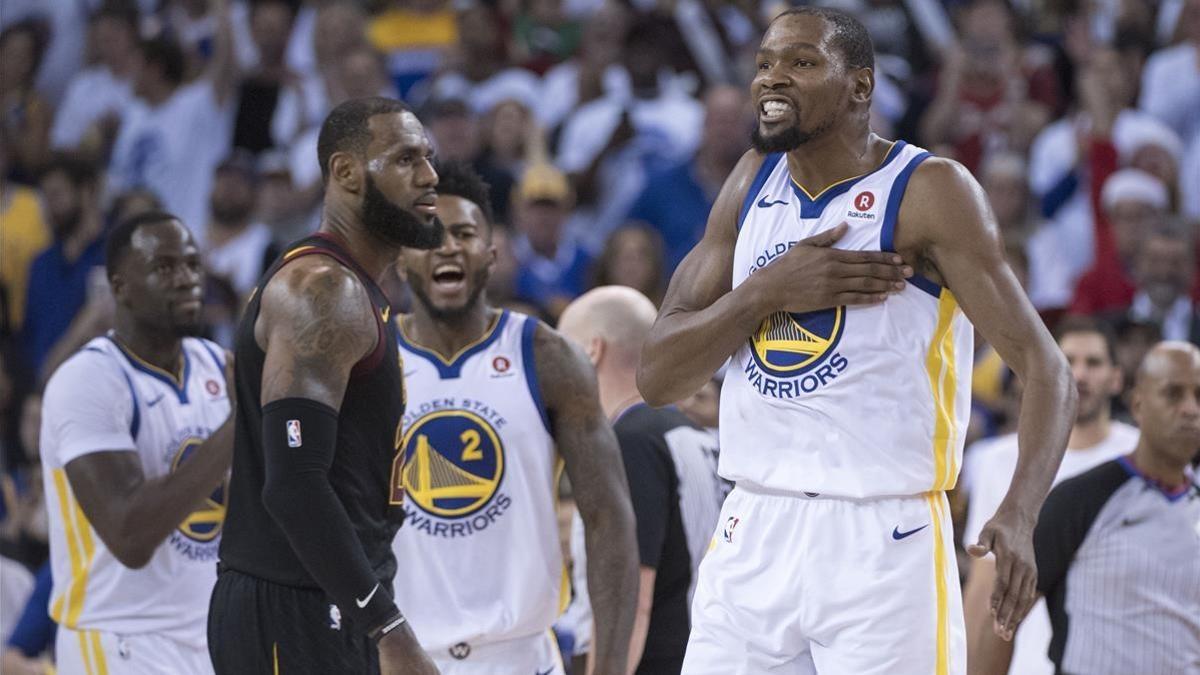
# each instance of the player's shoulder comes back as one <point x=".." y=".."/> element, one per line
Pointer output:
<point x="318" y="288"/>
<point x="93" y="370"/>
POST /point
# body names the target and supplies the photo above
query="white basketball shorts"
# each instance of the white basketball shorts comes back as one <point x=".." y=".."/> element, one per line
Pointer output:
<point x="93" y="652"/>
<point x="533" y="655"/>
<point x="798" y="585"/>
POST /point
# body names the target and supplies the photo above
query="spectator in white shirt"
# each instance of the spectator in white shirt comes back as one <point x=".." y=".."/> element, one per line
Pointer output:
<point x="174" y="136"/>
<point x="1171" y="79"/>
<point x="236" y="242"/>
<point x="96" y="98"/>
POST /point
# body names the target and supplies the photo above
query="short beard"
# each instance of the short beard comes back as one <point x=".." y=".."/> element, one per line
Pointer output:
<point x="63" y="228"/>
<point x="787" y="140"/>
<point x="397" y="226"/>
<point x="229" y="216"/>
<point x="453" y="313"/>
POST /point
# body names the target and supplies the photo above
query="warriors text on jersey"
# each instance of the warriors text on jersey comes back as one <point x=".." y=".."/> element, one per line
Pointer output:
<point x="105" y="398"/>
<point x="479" y="555"/>
<point x="362" y="472"/>
<point x="861" y="401"/>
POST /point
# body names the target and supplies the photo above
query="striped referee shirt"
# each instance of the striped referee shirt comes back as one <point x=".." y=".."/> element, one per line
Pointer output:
<point x="1119" y="563"/>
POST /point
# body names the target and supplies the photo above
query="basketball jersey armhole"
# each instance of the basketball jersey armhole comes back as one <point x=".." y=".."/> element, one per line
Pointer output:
<point x="887" y="231"/>
<point x="760" y="179"/>
<point x="372" y="359"/>
<point x="528" y="361"/>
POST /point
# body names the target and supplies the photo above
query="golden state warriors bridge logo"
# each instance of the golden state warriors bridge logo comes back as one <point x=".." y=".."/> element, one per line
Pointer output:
<point x="795" y="353"/>
<point x="197" y="536"/>
<point x="454" y="464"/>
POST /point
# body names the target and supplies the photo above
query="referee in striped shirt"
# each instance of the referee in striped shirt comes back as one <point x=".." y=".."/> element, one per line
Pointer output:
<point x="1118" y="547"/>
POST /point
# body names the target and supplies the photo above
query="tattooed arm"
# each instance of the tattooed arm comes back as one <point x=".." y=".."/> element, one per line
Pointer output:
<point x="593" y="463"/>
<point x="315" y="322"/>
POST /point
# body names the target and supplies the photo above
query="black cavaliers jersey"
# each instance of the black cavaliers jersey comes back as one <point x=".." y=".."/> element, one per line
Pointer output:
<point x="362" y="475"/>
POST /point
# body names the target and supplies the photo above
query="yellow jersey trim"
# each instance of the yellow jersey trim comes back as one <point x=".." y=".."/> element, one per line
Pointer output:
<point x="487" y="334"/>
<point x="83" y="649"/>
<point x="101" y="664"/>
<point x="80" y="551"/>
<point x="942" y="599"/>
<point x="941" y="368"/>
<point x="887" y="155"/>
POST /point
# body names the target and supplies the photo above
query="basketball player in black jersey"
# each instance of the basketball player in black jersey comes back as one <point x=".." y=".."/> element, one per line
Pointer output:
<point x="315" y="499"/>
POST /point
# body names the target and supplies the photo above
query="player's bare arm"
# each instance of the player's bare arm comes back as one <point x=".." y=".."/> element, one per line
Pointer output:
<point x="702" y="322"/>
<point x="593" y="463"/>
<point x="987" y="652"/>
<point x="133" y="514"/>
<point x="315" y="323"/>
<point x="947" y="229"/>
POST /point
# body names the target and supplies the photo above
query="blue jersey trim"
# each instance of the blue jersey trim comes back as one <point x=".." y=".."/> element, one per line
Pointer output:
<point x="887" y="233"/>
<point x="452" y="369"/>
<point x="216" y="359"/>
<point x="760" y="179"/>
<point x="136" y="422"/>
<point x="180" y="388"/>
<point x="813" y="207"/>
<point x="530" y="368"/>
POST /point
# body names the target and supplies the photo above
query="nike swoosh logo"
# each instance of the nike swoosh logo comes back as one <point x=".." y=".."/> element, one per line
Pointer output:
<point x="1130" y="522"/>
<point x="363" y="603"/>
<point x="898" y="535"/>
<point x="545" y="672"/>
<point x="764" y="204"/>
<point x="151" y="404"/>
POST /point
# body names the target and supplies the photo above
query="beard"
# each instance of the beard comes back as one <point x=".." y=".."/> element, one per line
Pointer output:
<point x="478" y="286"/>
<point x="227" y="214"/>
<point x="395" y="225"/>
<point x="66" y="224"/>
<point x="788" y="139"/>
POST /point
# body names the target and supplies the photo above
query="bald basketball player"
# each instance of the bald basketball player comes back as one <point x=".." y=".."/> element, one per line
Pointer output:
<point x="671" y="466"/>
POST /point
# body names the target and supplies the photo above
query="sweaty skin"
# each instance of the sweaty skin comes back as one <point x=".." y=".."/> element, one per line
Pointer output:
<point x="316" y="320"/>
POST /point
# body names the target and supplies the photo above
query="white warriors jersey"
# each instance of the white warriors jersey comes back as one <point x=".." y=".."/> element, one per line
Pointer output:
<point x="106" y="398"/>
<point x="862" y="401"/>
<point x="478" y="558"/>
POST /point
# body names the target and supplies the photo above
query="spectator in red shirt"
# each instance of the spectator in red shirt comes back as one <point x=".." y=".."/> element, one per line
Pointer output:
<point x="1131" y="202"/>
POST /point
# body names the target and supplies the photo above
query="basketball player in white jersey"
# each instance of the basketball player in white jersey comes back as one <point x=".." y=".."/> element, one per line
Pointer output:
<point x="497" y="405"/>
<point x="136" y="443"/>
<point x="844" y="406"/>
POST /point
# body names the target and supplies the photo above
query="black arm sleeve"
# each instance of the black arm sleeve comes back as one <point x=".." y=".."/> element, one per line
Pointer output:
<point x="299" y="440"/>
<point x="649" y="490"/>
<point x="1066" y="518"/>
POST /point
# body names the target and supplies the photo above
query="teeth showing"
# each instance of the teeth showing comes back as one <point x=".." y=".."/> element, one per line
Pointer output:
<point x="447" y="269"/>
<point x="775" y="107"/>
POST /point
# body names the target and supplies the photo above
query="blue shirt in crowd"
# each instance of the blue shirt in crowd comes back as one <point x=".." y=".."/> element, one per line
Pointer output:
<point x="674" y="203"/>
<point x="57" y="291"/>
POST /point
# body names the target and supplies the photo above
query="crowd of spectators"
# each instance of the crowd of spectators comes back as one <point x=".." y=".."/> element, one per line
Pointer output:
<point x="605" y="128"/>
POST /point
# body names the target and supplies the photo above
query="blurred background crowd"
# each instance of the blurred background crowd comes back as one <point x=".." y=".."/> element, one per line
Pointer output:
<point x="605" y="128"/>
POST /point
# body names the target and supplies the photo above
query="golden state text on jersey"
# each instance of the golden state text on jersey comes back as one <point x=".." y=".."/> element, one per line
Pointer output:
<point x="453" y="467"/>
<point x="856" y="401"/>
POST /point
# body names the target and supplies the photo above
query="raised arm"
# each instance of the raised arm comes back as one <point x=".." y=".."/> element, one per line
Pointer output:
<point x="702" y="321"/>
<point x="945" y="217"/>
<point x="133" y="514"/>
<point x="586" y="442"/>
